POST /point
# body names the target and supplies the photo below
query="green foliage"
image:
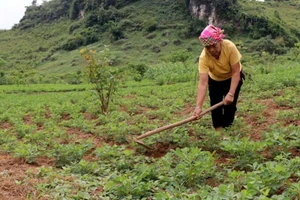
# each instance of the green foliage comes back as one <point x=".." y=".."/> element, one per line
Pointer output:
<point x="24" y="129"/>
<point x="179" y="56"/>
<point x="86" y="37"/>
<point x="75" y="8"/>
<point x="138" y="70"/>
<point x="225" y="8"/>
<point x="277" y="15"/>
<point x="101" y="16"/>
<point x="123" y="186"/>
<point x="45" y="13"/>
<point x="269" y="45"/>
<point x="2" y="63"/>
<point x="265" y="21"/>
<point x="281" y="140"/>
<point x="188" y="166"/>
<point x="66" y="154"/>
<point x="195" y="27"/>
<point x="7" y="141"/>
<point x="150" y="25"/>
<point x="267" y="178"/>
<point x="28" y="152"/>
<point x="169" y="73"/>
<point x="296" y="51"/>
<point x="85" y="167"/>
<point x="101" y="75"/>
<point x="116" y="31"/>
<point x="73" y="43"/>
<point x="245" y="151"/>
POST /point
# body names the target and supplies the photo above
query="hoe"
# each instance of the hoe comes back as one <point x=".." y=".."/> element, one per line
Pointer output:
<point x="158" y="130"/>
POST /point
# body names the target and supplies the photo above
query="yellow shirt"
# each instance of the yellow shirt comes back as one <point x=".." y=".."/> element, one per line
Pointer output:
<point x="220" y="69"/>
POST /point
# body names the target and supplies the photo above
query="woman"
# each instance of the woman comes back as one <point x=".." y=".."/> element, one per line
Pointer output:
<point x="220" y="70"/>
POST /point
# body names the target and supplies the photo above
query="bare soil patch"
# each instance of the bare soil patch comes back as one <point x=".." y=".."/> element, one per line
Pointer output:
<point x="12" y="172"/>
<point x="260" y="123"/>
<point x="6" y="126"/>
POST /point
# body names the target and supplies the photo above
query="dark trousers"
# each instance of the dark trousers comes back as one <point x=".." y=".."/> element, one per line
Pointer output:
<point x="224" y="115"/>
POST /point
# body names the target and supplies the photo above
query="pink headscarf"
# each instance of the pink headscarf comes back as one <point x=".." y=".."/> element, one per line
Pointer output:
<point x="211" y="35"/>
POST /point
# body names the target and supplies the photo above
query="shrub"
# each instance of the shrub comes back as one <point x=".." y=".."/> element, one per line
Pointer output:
<point x="90" y="35"/>
<point x="101" y="75"/>
<point x="150" y="25"/>
<point x="116" y="31"/>
<point x="73" y="43"/>
<point x="139" y="71"/>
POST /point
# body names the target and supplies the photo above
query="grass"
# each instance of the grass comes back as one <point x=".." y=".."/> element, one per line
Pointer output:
<point x="268" y="8"/>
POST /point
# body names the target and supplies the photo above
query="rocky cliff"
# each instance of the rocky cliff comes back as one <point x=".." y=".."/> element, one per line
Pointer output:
<point x="212" y="11"/>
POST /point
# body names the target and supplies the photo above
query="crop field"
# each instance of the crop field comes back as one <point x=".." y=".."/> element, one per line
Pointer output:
<point x="56" y="144"/>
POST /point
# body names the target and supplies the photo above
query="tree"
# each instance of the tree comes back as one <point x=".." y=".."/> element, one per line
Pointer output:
<point x="101" y="75"/>
<point x="33" y="3"/>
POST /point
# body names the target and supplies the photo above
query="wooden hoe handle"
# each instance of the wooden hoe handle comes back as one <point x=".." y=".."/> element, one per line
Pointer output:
<point x="157" y="130"/>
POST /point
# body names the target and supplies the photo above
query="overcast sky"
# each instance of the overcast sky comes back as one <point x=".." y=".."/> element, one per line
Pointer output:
<point x="12" y="11"/>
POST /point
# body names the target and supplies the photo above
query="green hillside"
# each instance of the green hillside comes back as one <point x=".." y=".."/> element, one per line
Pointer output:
<point x="47" y="40"/>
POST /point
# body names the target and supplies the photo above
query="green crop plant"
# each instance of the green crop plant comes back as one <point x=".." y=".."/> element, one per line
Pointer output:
<point x="41" y="138"/>
<point x="237" y="178"/>
<point x="267" y="178"/>
<point x="118" y="132"/>
<point x="187" y="167"/>
<point x="291" y="115"/>
<point x="6" y="138"/>
<point x="127" y="187"/>
<point x="107" y="152"/>
<point x="66" y="154"/>
<point x="209" y="139"/>
<point x="292" y="192"/>
<point x="28" y="152"/>
<point x="84" y="167"/>
<point x="223" y="191"/>
<point x="282" y="139"/>
<point x="7" y="141"/>
<point x="288" y="98"/>
<point x="244" y="150"/>
<point x="178" y="136"/>
<point x="24" y="129"/>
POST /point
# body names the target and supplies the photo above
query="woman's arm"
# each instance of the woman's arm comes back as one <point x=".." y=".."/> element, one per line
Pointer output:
<point x="201" y="93"/>
<point x="229" y="98"/>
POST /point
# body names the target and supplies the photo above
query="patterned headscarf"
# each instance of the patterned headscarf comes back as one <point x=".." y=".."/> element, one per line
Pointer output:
<point x="211" y="35"/>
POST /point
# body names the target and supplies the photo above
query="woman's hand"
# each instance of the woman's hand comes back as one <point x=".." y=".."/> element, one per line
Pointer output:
<point x="229" y="98"/>
<point x="197" y="112"/>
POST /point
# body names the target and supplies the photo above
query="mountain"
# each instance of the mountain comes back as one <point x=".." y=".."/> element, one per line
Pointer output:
<point x="48" y="38"/>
